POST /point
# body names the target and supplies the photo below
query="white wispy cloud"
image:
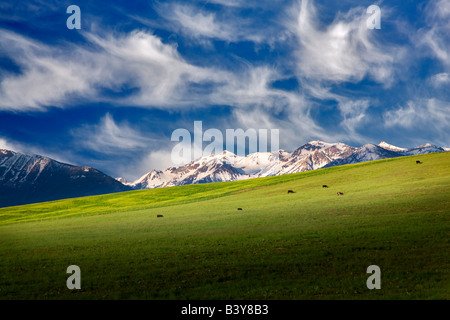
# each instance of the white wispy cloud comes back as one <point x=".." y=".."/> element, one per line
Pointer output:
<point x="251" y="86"/>
<point x="5" y="144"/>
<point x="46" y="77"/>
<point x="354" y="114"/>
<point x="440" y="79"/>
<point x="196" y="23"/>
<point x="110" y="137"/>
<point x="201" y="25"/>
<point x="425" y="114"/>
<point x="228" y="3"/>
<point x="157" y="69"/>
<point x="61" y="75"/>
<point x="344" y="50"/>
<point x="57" y="76"/>
<point x="434" y="36"/>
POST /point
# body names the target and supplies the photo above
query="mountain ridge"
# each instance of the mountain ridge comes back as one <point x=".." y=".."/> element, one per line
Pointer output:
<point x="313" y="155"/>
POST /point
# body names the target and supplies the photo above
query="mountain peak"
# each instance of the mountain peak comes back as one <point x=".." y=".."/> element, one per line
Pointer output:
<point x="387" y="146"/>
<point x="6" y="152"/>
<point x="320" y="143"/>
<point x="370" y="147"/>
<point x="315" y="142"/>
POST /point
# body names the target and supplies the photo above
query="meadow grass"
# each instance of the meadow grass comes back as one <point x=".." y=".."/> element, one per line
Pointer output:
<point x="311" y="244"/>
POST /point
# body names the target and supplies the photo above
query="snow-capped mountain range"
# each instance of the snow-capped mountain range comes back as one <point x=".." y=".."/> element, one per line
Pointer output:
<point x="227" y="166"/>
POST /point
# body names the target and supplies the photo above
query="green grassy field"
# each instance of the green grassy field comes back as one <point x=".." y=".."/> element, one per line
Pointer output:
<point x="308" y="245"/>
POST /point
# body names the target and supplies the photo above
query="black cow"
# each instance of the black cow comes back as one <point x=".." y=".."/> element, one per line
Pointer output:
<point x="324" y="186"/>
<point x="159" y="216"/>
<point x="340" y="193"/>
<point x="418" y="162"/>
<point x="291" y="191"/>
<point x="239" y="208"/>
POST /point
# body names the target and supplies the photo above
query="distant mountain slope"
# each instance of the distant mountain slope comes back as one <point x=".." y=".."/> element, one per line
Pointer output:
<point x="314" y="155"/>
<point x="32" y="178"/>
<point x="371" y="152"/>
<point x="207" y="170"/>
<point x="424" y="149"/>
<point x="368" y="152"/>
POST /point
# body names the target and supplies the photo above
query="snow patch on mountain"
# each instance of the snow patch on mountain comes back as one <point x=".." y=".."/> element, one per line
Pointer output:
<point x="123" y="181"/>
<point x="390" y="147"/>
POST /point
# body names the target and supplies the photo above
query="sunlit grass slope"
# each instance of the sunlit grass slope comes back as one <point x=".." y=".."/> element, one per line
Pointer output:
<point x="311" y="244"/>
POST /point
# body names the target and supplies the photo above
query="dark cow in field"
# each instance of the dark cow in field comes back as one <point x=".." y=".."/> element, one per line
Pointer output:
<point x="159" y="216"/>
<point x="324" y="186"/>
<point x="340" y="193"/>
<point x="239" y="208"/>
<point x="291" y="191"/>
<point x="418" y="162"/>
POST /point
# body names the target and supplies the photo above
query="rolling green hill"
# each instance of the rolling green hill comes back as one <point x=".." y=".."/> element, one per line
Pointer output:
<point x="311" y="244"/>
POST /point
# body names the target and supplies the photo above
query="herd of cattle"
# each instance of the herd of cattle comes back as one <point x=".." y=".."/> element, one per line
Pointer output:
<point x="339" y="193"/>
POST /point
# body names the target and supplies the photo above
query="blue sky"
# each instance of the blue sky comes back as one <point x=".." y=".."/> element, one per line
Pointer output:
<point x="110" y="94"/>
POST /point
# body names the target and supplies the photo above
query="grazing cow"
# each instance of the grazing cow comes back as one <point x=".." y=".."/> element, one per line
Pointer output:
<point x="159" y="216"/>
<point x="340" y="193"/>
<point x="418" y="162"/>
<point x="324" y="186"/>
<point x="291" y="191"/>
<point x="239" y="208"/>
